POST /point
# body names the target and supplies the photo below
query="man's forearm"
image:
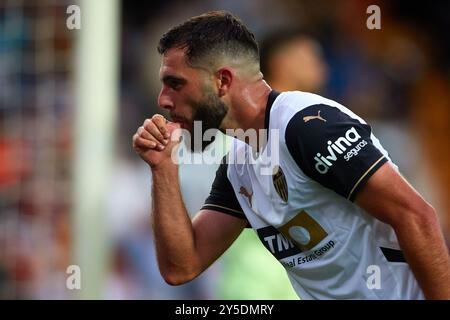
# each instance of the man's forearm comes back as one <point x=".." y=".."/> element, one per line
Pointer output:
<point x="172" y="227"/>
<point x="427" y="255"/>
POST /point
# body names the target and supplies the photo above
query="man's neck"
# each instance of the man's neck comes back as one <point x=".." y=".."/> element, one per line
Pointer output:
<point x="257" y="98"/>
<point x="261" y="98"/>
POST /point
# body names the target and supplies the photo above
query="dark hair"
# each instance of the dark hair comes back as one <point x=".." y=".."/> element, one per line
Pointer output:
<point x="212" y="32"/>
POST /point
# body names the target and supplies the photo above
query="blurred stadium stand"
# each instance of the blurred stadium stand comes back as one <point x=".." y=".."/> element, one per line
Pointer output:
<point x="35" y="148"/>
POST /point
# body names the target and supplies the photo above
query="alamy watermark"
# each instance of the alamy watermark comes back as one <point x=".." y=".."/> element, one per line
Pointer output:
<point x="374" y="20"/>
<point x="73" y="21"/>
<point x="267" y="158"/>
<point x="374" y="280"/>
<point x="73" y="281"/>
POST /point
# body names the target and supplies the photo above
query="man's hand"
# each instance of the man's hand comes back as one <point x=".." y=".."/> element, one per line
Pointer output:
<point x="155" y="140"/>
<point x="183" y="249"/>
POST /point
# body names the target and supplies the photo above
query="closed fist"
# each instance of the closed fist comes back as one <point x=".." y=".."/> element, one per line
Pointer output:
<point x="155" y="140"/>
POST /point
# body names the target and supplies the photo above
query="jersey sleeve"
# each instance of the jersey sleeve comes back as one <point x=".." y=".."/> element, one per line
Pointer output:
<point x="222" y="197"/>
<point x="333" y="148"/>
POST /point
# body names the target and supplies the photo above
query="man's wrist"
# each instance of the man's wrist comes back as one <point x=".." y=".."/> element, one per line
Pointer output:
<point x="164" y="167"/>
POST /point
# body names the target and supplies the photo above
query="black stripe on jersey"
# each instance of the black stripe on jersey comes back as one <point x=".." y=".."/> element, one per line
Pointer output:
<point x="231" y="212"/>
<point x="393" y="255"/>
<point x="333" y="148"/>
<point x="272" y="96"/>
<point x="222" y="197"/>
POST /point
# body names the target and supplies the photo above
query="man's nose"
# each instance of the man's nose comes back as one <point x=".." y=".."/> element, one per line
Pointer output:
<point x="164" y="100"/>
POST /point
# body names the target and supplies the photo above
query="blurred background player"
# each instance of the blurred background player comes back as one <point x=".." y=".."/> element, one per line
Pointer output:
<point x="292" y="60"/>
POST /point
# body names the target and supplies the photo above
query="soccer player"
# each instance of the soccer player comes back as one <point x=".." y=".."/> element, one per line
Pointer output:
<point x="334" y="210"/>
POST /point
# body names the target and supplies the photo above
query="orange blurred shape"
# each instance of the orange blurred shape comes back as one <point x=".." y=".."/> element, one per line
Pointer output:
<point x="13" y="162"/>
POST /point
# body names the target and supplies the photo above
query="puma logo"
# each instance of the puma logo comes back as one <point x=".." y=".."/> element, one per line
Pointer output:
<point x="318" y="117"/>
<point x="245" y="193"/>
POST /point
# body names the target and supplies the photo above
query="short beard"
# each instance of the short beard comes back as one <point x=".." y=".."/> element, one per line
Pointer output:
<point x="210" y="111"/>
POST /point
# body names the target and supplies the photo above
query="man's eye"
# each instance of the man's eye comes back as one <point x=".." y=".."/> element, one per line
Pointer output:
<point x="175" y="85"/>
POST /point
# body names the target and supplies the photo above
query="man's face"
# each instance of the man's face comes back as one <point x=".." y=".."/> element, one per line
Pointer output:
<point x="188" y="94"/>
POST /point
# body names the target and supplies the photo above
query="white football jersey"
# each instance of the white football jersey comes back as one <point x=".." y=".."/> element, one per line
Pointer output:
<point x="298" y="196"/>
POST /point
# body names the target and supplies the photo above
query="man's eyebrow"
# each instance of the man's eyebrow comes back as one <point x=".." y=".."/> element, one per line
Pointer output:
<point x="170" y="78"/>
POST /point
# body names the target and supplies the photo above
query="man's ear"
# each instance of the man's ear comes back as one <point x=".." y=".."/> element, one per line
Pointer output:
<point x="224" y="79"/>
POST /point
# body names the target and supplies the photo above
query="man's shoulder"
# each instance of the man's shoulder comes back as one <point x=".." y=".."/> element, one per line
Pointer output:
<point x="304" y="107"/>
<point x="301" y="99"/>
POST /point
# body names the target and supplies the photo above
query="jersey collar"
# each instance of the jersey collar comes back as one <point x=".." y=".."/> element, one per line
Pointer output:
<point x="272" y="96"/>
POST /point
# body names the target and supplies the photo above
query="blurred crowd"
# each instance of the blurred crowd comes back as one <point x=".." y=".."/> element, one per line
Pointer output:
<point x="396" y="78"/>
<point x="35" y="149"/>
